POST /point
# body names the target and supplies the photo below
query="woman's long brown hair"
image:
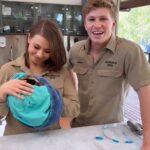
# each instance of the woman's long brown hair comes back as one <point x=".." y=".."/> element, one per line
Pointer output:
<point x="50" y="31"/>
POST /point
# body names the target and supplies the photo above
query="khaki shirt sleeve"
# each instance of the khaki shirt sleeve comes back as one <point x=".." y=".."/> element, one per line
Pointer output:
<point x="77" y="52"/>
<point x="74" y="53"/>
<point x="137" y="68"/>
<point x="6" y="73"/>
<point x="3" y="78"/>
<point x="69" y="62"/>
<point x="70" y="97"/>
<point x="3" y="109"/>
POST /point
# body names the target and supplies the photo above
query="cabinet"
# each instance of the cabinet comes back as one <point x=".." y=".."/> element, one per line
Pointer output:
<point x="17" y="17"/>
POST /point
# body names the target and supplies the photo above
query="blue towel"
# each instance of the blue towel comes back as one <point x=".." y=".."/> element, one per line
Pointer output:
<point x="40" y="110"/>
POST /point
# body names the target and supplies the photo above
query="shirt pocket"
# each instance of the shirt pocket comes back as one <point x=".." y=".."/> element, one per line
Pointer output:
<point x="109" y="73"/>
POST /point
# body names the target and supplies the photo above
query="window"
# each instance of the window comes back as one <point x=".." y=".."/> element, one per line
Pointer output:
<point x="134" y="25"/>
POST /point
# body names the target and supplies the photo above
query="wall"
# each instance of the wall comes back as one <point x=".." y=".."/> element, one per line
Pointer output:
<point x="71" y="2"/>
<point x="15" y="46"/>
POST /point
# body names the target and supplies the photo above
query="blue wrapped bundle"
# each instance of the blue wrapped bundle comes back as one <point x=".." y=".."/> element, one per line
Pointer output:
<point x="41" y="109"/>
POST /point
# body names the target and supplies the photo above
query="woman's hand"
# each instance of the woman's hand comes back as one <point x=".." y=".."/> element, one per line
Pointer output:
<point x="15" y="88"/>
<point x="65" y="122"/>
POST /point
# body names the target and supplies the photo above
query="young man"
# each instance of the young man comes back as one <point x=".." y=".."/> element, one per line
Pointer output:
<point x="105" y="66"/>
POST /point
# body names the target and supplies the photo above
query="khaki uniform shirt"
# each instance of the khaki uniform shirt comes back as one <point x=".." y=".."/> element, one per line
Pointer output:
<point x="61" y="80"/>
<point x="104" y="85"/>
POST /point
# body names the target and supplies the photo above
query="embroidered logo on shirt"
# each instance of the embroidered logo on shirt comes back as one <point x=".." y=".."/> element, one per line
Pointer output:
<point x="53" y="76"/>
<point x="111" y="63"/>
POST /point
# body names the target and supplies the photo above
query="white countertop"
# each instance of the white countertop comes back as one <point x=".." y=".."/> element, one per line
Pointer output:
<point x="83" y="138"/>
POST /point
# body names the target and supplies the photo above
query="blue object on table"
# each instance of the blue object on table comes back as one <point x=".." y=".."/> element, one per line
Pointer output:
<point x="99" y="138"/>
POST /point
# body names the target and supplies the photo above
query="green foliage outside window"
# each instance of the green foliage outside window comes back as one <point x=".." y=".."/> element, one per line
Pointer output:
<point x="135" y="25"/>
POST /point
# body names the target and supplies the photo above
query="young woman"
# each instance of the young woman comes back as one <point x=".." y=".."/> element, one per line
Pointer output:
<point x="45" y="56"/>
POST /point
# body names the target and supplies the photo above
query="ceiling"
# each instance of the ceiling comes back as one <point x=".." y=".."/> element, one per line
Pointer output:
<point x="127" y="4"/>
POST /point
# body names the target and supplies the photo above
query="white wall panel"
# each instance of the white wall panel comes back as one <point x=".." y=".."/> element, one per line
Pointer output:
<point x="70" y="2"/>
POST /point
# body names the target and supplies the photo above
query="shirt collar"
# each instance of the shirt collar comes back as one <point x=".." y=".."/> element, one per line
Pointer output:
<point x="87" y="45"/>
<point x="17" y="62"/>
<point x="20" y="63"/>
<point x="111" y="45"/>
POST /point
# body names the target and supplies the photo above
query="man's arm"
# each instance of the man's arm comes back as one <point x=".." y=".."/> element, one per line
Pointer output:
<point x="144" y="96"/>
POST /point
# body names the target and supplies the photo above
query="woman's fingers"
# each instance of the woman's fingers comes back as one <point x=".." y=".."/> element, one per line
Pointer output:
<point x="25" y="91"/>
<point x="18" y="95"/>
<point x="18" y="88"/>
<point x="23" y="88"/>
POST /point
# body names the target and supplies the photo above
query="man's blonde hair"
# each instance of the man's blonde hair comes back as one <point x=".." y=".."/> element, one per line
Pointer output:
<point x="93" y="4"/>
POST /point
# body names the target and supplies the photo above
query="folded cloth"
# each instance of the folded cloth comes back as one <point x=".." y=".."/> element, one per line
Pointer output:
<point x="56" y="103"/>
<point x="39" y="110"/>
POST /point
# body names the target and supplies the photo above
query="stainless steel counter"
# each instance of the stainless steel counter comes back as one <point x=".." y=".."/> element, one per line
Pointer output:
<point x="106" y="137"/>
